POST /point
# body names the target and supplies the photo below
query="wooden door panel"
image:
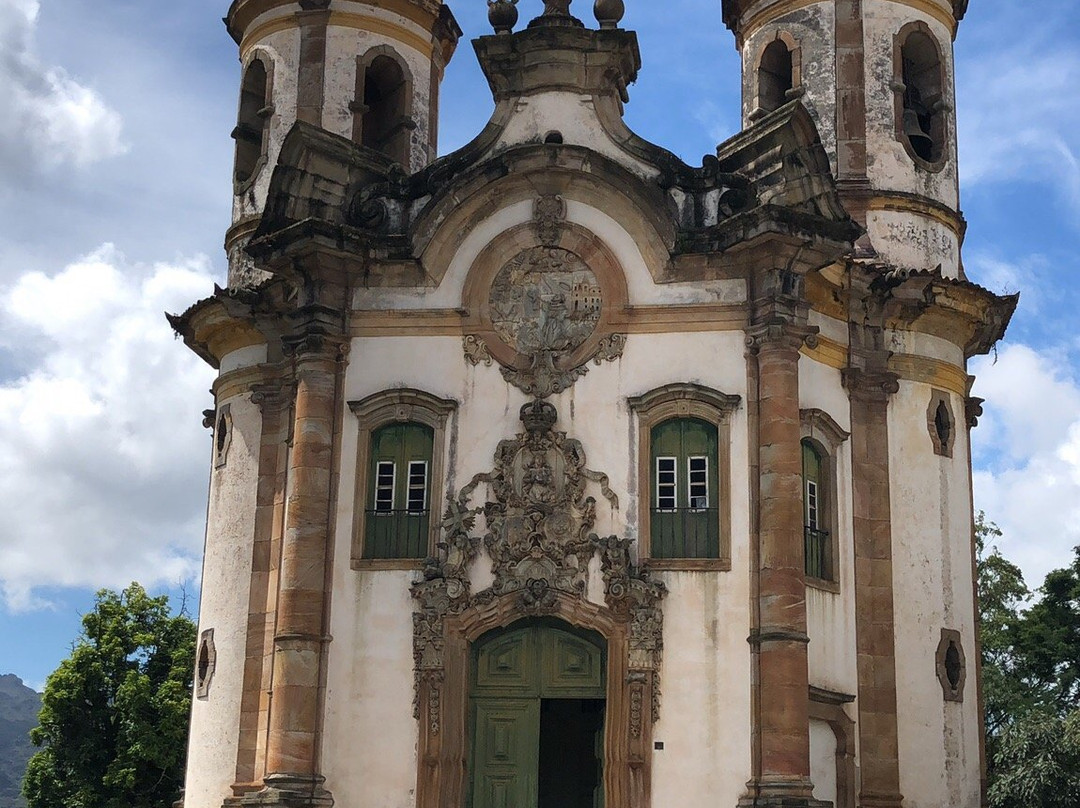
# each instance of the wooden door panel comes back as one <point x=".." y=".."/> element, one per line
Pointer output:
<point x="571" y="667"/>
<point x="508" y="666"/>
<point x="505" y="753"/>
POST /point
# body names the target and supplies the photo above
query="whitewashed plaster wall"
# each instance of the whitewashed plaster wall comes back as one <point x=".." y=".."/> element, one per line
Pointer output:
<point x="931" y="528"/>
<point x="707" y="614"/>
<point x="226" y="578"/>
<point x="823" y="761"/>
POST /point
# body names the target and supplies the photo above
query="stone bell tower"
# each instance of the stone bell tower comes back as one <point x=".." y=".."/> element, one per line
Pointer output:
<point x="366" y="70"/>
<point x="877" y="77"/>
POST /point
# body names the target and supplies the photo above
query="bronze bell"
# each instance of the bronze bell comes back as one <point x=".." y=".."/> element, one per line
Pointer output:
<point x="920" y="140"/>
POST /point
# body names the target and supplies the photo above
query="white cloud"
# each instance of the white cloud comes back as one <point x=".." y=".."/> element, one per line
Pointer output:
<point x="102" y="452"/>
<point x="1017" y="113"/>
<point x="47" y="114"/>
<point x="1027" y="456"/>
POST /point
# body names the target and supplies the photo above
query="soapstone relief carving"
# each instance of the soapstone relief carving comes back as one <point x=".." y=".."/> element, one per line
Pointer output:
<point x="539" y="521"/>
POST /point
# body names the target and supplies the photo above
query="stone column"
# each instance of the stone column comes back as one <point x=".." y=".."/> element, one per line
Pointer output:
<point x="874" y="620"/>
<point x="780" y="639"/>
<point x="293" y="777"/>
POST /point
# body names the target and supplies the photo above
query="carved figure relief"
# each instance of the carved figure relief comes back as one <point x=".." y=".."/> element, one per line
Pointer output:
<point x="545" y="299"/>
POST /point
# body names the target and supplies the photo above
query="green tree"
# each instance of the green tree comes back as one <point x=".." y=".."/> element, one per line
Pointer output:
<point x="1002" y="595"/>
<point x="1038" y="763"/>
<point x="114" y="717"/>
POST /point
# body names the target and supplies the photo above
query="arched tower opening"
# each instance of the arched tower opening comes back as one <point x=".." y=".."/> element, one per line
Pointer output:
<point x="253" y="120"/>
<point x="922" y="119"/>
<point x="776" y="76"/>
<point x="381" y="118"/>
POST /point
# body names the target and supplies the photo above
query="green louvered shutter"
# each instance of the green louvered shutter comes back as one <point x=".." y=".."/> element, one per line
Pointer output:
<point x="399" y="492"/>
<point x="685" y="490"/>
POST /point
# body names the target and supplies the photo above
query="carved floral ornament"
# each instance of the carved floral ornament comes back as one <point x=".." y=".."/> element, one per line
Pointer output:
<point x="538" y="532"/>
<point x="544" y="313"/>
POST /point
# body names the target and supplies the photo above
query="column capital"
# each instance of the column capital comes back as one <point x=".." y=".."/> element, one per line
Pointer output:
<point x="870" y="385"/>
<point x="317" y="332"/>
<point x="780" y="334"/>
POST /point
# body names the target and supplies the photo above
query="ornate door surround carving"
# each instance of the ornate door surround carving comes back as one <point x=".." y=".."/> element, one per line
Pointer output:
<point x="539" y="523"/>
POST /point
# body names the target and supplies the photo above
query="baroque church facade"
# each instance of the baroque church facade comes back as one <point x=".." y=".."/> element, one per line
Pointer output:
<point x="558" y="473"/>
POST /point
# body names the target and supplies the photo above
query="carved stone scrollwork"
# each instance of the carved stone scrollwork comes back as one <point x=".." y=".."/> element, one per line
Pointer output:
<point x="973" y="410"/>
<point x="870" y="384"/>
<point x="781" y="333"/>
<point x="549" y="216"/>
<point x="476" y="351"/>
<point x="611" y="348"/>
<point x="539" y="521"/>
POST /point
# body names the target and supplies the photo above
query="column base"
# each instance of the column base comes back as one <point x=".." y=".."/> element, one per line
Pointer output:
<point x="879" y="800"/>
<point x="286" y="791"/>
<point x="795" y="793"/>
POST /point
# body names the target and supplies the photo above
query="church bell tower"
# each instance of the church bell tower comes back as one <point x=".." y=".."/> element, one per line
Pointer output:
<point x="877" y="77"/>
<point x="366" y="70"/>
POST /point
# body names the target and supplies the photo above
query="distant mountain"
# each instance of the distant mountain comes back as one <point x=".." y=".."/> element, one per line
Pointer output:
<point x="19" y="707"/>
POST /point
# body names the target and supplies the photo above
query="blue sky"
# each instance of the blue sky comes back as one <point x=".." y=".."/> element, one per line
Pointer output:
<point x="114" y="196"/>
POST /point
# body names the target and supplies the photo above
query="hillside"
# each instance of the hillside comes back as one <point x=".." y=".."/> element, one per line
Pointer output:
<point x="19" y="707"/>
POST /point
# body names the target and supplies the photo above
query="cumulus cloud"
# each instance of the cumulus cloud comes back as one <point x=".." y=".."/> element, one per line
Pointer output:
<point x="1027" y="456"/>
<point x="47" y="113"/>
<point x="102" y="453"/>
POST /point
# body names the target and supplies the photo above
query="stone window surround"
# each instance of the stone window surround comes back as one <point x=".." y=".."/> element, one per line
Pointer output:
<point x="937" y="398"/>
<point x="951" y="637"/>
<point x="266" y="58"/>
<point x="827" y="436"/>
<point x="357" y="107"/>
<point x="398" y="405"/>
<point x="898" y="95"/>
<point x="828" y="707"/>
<point x="223" y="434"/>
<point x="797" y="90"/>
<point x="202" y="681"/>
<point x="684" y="400"/>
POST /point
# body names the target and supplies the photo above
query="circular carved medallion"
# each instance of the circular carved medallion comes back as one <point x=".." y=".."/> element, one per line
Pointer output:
<point x="545" y="299"/>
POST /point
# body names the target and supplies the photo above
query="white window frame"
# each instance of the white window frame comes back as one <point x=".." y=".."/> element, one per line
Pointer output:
<point x="693" y="508"/>
<point x="674" y="484"/>
<point x="423" y="490"/>
<point x="379" y="487"/>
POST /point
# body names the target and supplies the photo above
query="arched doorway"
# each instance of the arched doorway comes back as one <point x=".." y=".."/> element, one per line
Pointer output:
<point x="537" y="707"/>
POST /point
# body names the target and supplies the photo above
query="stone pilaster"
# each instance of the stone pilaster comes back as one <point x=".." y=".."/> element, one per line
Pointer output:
<point x="293" y="738"/>
<point x="311" y="77"/>
<point x="869" y="391"/>
<point x="779" y="639"/>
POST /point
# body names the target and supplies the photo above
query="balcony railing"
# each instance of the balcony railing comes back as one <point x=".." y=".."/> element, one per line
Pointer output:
<point x="817" y="553"/>
<point x="685" y="533"/>
<point x="396" y="534"/>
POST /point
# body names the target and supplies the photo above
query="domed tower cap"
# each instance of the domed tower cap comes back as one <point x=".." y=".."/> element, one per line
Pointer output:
<point x="243" y="12"/>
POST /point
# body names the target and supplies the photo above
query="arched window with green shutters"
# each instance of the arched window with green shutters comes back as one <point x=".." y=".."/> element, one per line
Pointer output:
<point x="398" y="509"/>
<point x="815" y="503"/>
<point x="685" y="490"/>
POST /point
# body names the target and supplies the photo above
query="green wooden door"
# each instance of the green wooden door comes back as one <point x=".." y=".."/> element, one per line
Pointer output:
<point x="513" y="671"/>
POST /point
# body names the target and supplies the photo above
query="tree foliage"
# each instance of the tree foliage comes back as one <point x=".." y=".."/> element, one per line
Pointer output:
<point x="114" y="717"/>
<point x="1031" y="679"/>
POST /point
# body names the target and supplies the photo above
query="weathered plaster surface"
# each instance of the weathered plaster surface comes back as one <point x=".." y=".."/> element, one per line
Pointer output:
<point x="931" y="513"/>
<point x="224" y="608"/>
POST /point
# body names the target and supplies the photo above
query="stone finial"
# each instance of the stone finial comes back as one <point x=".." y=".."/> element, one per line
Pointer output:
<point x="503" y="15"/>
<point x="609" y="12"/>
<point x="556" y="8"/>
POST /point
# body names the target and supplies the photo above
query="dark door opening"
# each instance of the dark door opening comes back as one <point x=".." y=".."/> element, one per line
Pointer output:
<point x="571" y="753"/>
